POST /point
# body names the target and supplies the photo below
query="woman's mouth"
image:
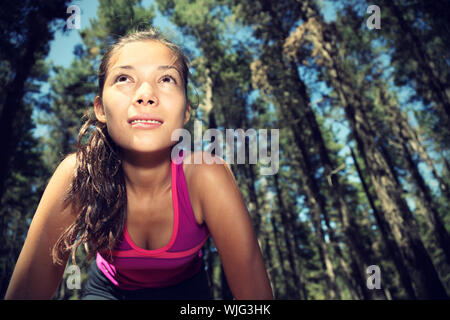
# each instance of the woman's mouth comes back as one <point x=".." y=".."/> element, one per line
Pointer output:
<point x="145" y="124"/>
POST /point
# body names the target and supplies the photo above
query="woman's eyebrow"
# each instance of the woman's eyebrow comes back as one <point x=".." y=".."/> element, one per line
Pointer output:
<point x="164" y="67"/>
<point x="168" y="67"/>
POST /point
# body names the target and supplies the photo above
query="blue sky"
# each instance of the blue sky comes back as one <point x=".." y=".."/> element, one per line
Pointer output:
<point x="62" y="46"/>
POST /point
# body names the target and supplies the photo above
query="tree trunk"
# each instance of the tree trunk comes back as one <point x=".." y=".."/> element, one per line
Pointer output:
<point x="268" y="254"/>
<point x="278" y="248"/>
<point x="289" y="245"/>
<point x="359" y="256"/>
<point x="291" y="223"/>
<point x="316" y="203"/>
<point x="399" y="127"/>
<point x="438" y="230"/>
<point x="417" y="146"/>
<point x="391" y="245"/>
<point x="289" y="106"/>
<point x="266" y="249"/>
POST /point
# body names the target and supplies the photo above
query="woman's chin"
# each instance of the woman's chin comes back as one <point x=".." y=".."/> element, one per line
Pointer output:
<point x="147" y="149"/>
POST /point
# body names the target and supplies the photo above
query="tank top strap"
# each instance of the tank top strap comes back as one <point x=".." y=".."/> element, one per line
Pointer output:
<point x="190" y="234"/>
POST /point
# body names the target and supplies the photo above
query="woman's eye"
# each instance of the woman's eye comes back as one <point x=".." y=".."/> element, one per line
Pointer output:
<point x="168" y="78"/>
<point x="121" y="78"/>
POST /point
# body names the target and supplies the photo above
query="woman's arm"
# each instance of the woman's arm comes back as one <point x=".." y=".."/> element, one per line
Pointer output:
<point x="35" y="276"/>
<point x="231" y="228"/>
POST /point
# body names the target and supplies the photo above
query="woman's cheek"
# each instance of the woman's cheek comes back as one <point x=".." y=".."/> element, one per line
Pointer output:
<point x="115" y="124"/>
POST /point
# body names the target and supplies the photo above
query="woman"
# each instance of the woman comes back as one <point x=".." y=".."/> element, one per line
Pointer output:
<point x="141" y="211"/>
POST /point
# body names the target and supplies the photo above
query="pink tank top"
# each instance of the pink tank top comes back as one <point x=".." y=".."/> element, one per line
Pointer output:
<point x="135" y="268"/>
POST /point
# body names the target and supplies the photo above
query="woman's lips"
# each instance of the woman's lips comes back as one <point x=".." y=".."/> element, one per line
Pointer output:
<point x="145" y="125"/>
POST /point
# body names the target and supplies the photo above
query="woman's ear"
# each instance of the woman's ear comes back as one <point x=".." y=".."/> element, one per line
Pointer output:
<point x="99" y="110"/>
<point x="187" y="113"/>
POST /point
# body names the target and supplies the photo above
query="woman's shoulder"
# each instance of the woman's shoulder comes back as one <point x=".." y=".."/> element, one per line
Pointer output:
<point x="201" y="163"/>
<point x="66" y="168"/>
<point x="209" y="171"/>
<point x="200" y="176"/>
<point x="69" y="162"/>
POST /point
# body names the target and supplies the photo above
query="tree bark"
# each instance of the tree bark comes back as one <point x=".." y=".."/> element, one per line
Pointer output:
<point x="391" y="245"/>
<point x="278" y="249"/>
<point x="289" y="244"/>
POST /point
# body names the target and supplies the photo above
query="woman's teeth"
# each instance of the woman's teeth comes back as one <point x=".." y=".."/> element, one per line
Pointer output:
<point x="146" y="121"/>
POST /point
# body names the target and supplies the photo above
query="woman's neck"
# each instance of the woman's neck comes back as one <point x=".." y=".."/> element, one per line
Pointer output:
<point x="147" y="175"/>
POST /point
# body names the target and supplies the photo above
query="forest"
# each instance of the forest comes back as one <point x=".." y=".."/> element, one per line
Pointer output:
<point x="359" y="207"/>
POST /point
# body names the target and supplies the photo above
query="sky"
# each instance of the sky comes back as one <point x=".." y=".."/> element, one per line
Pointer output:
<point x="62" y="46"/>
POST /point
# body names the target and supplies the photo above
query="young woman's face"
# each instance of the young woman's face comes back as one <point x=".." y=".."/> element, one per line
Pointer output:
<point x="143" y="80"/>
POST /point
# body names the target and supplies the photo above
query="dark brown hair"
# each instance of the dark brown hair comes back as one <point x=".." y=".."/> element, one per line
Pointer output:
<point x="98" y="191"/>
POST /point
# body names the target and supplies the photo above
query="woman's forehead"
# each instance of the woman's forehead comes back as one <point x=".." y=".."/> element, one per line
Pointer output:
<point x="143" y="52"/>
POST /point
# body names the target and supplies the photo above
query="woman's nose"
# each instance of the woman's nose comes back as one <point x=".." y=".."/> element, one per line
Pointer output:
<point x="145" y="96"/>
